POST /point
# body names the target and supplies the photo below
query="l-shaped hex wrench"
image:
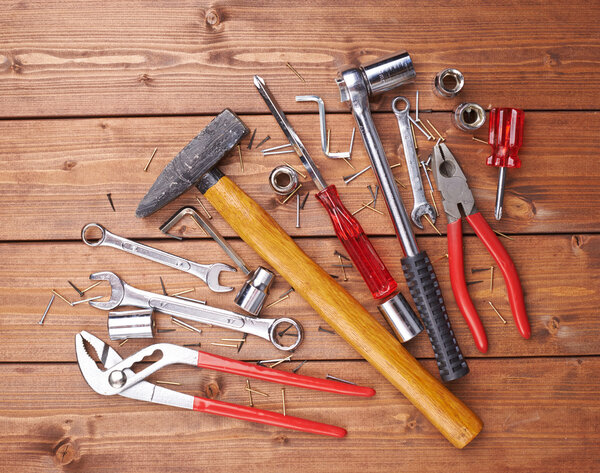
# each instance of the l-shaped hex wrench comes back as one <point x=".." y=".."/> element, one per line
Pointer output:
<point x="356" y="84"/>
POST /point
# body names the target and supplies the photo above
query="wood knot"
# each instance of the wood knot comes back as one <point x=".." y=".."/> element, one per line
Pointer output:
<point x="412" y="424"/>
<point x="212" y="390"/>
<point x="68" y="165"/>
<point x="552" y="59"/>
<point x="577" y="242"/>
<point x="16" y="67"/>
<point x="145" y="79"/>
<point x="281" y="439"/>
<point x="554" y="325"/>
<point x="212" y="18"/>
<point x="65" y="452"/>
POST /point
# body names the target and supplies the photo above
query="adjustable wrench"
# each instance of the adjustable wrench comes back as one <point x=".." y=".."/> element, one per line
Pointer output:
<point x="209" y="273"/>
<point x="420" y="206"/>
<point x="122" y="294"/>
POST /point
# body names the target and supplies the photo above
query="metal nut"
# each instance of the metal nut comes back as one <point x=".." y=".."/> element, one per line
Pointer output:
<point x="283" y="179"/>
<point x="469" y="116"/>
<point x="448" y="82"/>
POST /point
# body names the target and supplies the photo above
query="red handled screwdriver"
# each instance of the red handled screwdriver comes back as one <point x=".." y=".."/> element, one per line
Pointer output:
<point x="505" y="138"/>
<point x="347" y="228"/>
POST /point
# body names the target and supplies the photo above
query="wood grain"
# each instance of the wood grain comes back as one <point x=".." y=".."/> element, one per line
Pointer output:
<point x="74" y="58"/>
<point x="56" y="173"/>
<point x="540" y="415"/>
<point x="558" y="275"/>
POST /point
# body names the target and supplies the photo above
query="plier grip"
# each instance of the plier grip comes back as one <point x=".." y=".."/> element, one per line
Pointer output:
<point x="457" y="196"/>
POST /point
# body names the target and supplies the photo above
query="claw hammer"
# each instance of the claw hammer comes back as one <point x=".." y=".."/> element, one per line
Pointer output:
<point x="195" y="165"/>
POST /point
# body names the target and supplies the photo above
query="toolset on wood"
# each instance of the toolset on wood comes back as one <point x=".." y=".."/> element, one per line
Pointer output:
<point x="195" y="166"/>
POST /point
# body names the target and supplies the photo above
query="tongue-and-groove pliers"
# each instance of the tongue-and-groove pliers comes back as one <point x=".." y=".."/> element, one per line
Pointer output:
<point x="457" y="196"/>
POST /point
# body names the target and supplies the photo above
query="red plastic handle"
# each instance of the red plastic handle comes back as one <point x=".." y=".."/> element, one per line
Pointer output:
<point x="227" y="365"/>
<point x="506" y="265"/>
<point x="265" y="417"/>
<point x="459" y="285"/>
<point x="358" y="246"/>
<point x="505" y="137"/>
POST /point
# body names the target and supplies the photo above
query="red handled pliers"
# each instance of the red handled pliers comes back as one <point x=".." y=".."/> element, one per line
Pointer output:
<point x="456" y="194"/>
<point x="117" y="377"/>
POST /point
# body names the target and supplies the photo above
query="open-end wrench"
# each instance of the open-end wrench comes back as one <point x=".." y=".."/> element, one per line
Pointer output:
<point x="122" y="294"/>
<point x="420" y="206"/>
<point x="209" y="273"/>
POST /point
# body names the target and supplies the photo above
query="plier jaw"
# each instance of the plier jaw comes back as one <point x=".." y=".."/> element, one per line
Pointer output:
<point x="452" y="184"/>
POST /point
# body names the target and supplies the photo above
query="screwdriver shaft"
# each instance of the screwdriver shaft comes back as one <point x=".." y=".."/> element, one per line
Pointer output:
<point x="500" y="193"/>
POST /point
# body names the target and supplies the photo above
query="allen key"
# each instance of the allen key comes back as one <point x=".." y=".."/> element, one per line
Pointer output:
<point x="208" y="228"/>
<point x="323" y="128"/>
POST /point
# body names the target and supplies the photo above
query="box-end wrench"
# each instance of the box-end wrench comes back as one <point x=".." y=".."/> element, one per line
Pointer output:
<point x="209" y="273"/>
<point x="420" y="206"/>
<point x="122" y="294"/>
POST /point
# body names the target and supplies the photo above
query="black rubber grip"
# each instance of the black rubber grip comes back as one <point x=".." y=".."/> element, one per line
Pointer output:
<point x="425" y="291"/>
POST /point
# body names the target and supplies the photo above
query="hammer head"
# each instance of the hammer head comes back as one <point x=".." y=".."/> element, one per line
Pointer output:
<point x="198" y="157"/>
<point x="378" y="76"/>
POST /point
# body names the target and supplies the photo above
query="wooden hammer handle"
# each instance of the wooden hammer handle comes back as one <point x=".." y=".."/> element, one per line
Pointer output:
<point x="344" y="313"/>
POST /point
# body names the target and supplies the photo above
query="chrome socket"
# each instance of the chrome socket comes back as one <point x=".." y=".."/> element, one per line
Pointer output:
<point x="403" y="320"/>
<point x="130" y="324"/>
<point x="253" y="293"/>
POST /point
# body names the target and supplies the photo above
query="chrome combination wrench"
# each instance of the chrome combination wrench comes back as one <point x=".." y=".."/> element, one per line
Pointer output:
<point x="122" y="294"/>
<point x="421" y="206"/>
<point x="209" y="273"/>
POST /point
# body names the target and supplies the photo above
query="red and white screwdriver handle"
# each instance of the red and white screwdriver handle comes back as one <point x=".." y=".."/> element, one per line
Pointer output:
<point x="505" y="138"/>
<point x="359" y="248"/>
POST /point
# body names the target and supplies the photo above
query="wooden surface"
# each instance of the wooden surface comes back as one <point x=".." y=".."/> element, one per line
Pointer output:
<point x="88" y="90"/>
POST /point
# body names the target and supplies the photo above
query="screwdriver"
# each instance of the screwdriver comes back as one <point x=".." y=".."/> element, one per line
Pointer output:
<point x="347" y="228"/>
<point x="505" y="138"/>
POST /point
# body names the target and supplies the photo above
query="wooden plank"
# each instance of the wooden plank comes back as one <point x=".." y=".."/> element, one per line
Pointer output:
<point x="53" y="420"/>
<point x="74" y="58"/>
<point x="558" y="275"/>
<point x="56" y="174"/>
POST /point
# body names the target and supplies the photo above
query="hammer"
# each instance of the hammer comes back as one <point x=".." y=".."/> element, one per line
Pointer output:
<point x="356" y="84"/>
<point x="195" y="165"/>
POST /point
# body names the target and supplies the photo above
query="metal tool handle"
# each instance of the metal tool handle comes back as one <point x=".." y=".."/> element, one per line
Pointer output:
<point x="419" y="273"/>
<point x="383" y="173"/>
<point x="158" y="256"/>
<point x="425" y="290"/>
<point x="263" y="328"/>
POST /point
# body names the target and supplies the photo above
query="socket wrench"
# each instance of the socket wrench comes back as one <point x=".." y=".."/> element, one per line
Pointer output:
<point x="420" y="205"/>
<point x="356" y="84"/>
<point x="209" y="273"/>
<point x="122" y="294"/>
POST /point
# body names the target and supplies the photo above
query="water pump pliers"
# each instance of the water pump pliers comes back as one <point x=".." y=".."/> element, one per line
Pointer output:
<point x="457" y="197"/>
<point x="118" y="377"/>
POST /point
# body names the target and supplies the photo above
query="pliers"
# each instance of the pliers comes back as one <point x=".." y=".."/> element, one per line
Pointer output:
<point x="457" y="196"/>
<point x="119" y="378"/>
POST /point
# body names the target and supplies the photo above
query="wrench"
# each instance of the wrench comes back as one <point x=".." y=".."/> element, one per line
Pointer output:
<point x="209" y="273"/>
<point x="421" y="206"/>
<point x="122" y="294"/>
